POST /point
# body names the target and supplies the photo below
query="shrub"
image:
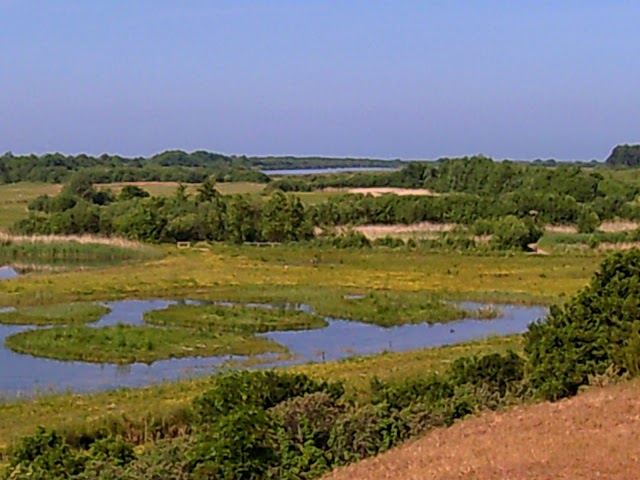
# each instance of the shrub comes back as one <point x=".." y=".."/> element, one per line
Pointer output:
<point x="258" y="389"/>
<point x="512" y="233"/>
<point x="597" y="328"/>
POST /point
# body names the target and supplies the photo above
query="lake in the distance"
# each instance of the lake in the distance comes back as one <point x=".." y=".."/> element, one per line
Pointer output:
<point x="313" y="171"/>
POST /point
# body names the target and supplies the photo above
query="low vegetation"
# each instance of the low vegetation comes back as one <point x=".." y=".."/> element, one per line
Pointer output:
<point x="129" y="344"/>
<point x="233" y="318"/>
<point x="63" y="314"/>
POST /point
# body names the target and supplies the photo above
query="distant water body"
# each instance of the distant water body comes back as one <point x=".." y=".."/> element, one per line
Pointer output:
<point x="310" y="171"/>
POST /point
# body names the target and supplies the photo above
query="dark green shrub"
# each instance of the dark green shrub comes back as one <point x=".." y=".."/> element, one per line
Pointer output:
<point x="597" y="328"/>
<point x="44" y="455"/>
<point x="512" y="233"/>
<point x="256" y="389"/>
<point x="494" y="371"/>
<point x="400" y="395"/>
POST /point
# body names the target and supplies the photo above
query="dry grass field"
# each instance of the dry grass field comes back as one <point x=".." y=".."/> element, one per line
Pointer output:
<point x="593" y="435"/>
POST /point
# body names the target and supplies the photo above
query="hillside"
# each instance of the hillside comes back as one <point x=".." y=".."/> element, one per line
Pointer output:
<point x="593" y="435"/>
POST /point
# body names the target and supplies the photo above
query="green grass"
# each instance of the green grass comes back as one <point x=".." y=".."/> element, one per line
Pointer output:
<point x="15" y="197"/>
<point x="129" y="344"/>
<point x="251" y="273"/>
<point x="141" y="408"/>
<point x="64" y="314"/>
<point x="233" y="319"/>
<point x="70" y="252"/>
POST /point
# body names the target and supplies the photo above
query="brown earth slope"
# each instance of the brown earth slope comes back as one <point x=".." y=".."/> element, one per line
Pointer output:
<point x="595" y="435"/>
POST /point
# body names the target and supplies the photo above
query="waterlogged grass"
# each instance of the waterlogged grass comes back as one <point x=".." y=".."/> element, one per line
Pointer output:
<point x="233" y="319"/>
<point x="64" y="314"/>
<point x="132" y="411"/>
<point x="225" y="272"/>
<point x="129" y="344"/>
<point x="72" y="250"/>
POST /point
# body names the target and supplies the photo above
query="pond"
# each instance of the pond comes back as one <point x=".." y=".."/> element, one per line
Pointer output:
<point x="26" y="375"/>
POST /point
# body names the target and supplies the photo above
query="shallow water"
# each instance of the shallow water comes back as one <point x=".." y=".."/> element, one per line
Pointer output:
<point x="7" y="273"/>
<point x="25" y="375"/>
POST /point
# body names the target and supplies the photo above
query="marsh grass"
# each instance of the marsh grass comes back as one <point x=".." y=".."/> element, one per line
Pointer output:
<point x="233" y="319"/>
<point x="63" y="314"/>
<point x="129" y="344"/>
<point x="295" y="273"/>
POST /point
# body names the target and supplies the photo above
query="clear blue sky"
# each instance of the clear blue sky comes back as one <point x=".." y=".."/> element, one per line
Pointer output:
<point x="411" y="79"/>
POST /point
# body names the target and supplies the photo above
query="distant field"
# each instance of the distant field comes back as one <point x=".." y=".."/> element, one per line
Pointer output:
<point x="14" y="199"/>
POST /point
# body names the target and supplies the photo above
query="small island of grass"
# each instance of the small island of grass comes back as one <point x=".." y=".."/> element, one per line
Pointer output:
<point x="60" y="314"/>
<point x="129" y="344"/>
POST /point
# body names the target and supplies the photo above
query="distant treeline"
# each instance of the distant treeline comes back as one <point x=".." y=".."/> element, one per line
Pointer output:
<point x="195" y="167"/>
<point x="169" y="166"/>
<point x="625" y="156"/>
<point x="480" y="194"/>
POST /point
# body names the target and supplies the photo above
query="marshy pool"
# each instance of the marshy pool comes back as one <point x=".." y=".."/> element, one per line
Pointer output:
<point x="26" y="375"/>
<point x="7" y="273"/>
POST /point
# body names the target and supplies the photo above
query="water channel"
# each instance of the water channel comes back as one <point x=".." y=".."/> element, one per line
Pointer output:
<point x="25" y="374"/>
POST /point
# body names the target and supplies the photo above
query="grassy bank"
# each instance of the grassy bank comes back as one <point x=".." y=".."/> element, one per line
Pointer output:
<point x="129" y="344"/>
<point x="65" y="314"/>
<point x="140" y="409"/>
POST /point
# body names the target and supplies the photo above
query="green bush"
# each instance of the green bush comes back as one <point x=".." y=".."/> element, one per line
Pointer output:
<point x="512" y="233"/>
<point x="597" y="328"/>
<point x="255" y="389"/>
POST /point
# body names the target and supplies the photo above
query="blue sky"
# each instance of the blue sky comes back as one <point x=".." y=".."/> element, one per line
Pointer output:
<point x="408" y="79"/>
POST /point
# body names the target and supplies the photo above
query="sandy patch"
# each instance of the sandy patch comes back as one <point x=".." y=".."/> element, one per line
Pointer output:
<point x="618" y="226"/>
<point x="561" y="228"/>
<point x="378" y="191"/>
<point x="377" y="231"/>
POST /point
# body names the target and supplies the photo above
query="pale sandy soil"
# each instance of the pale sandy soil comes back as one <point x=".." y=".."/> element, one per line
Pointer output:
<point x="618" y="226"/>
<point x="595" y="435"/>
<point x="561" y="228"/>
<point x="377" y="191"/>
<point x="378" y="231"/>
<point x="619" y="246"/>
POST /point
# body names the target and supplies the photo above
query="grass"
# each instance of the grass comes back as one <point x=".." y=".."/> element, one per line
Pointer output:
<point x="128" y="344"/>
<point x="64" y="314"/>
<point x="233" y="319"/>
<point x="55" y="250"/>
<point x="15" y="197"/>
<point x="164" y="403"/>
<point x="248" y="273"/>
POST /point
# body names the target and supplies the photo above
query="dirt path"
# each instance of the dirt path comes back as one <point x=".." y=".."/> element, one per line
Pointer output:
<point x="593" y="436"/>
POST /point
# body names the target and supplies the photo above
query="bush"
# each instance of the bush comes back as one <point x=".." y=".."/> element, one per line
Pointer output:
<point x="597" y="328"/>
<point x="255" y="389"/>
<point x="513" y="233"/>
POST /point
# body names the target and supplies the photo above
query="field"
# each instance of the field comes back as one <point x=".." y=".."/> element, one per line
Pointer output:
<point x="593" y="435"/>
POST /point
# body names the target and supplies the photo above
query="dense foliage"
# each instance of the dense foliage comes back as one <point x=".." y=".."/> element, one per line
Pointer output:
<point x="80" y="208"/>
<point x="597" y="329"/>
<point x="625" y="156"/>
